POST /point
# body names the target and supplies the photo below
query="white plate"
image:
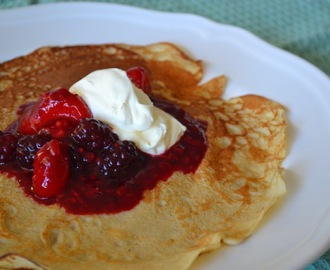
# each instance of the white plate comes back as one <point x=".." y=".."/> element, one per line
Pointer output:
<point x="296" y="231"/>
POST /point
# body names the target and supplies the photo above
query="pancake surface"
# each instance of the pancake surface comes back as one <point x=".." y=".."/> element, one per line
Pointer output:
<point x="238" y="180"/>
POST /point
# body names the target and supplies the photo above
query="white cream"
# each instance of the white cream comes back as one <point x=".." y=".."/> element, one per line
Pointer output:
<point x="114" y="99"/>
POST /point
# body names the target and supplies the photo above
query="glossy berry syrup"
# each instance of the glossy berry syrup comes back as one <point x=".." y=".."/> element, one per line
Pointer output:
<point x="79" y="164"/>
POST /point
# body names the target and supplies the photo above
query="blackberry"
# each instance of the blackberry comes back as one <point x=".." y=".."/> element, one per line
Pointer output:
<point x="8" y="142"/>
<point x="118" y="159"/>
<point x="93" y="135"/>
<point x="27" y="148"/>
<point x="80" y="158"/>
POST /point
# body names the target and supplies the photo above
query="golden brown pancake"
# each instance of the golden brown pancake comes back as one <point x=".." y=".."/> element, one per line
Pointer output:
<point x="238" y="180"/>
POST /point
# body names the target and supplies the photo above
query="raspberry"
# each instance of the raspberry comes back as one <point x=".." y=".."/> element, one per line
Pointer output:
<point x="60" y="129"/>
<point x="139" y="76"/>
<point x="27" y="147"/>
<point x="93" y="135"/>
<point x="8" y="142"/>
<point x="118" y="159"/>
<point x="51" y="169"/>
<point x="51" y="107"/>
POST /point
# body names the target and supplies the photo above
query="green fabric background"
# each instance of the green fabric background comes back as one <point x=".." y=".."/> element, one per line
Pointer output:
<point x="301" y="27"/>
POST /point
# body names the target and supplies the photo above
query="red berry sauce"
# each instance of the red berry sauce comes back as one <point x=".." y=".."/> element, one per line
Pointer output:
<point x="89" y="192"/>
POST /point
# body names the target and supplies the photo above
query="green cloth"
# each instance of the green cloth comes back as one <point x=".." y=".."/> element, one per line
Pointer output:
<point x="301" y="27"/>
<point x="298" y="26"/>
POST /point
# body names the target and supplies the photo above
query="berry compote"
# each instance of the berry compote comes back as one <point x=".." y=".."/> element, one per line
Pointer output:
<point x="60" y="154"/>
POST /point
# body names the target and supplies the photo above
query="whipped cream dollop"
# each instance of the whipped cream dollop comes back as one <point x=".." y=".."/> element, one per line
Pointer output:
<point x="115" y="100"/>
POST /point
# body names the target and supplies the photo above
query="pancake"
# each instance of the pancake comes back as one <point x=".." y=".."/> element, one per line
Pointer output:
<point x="238" y="180"/>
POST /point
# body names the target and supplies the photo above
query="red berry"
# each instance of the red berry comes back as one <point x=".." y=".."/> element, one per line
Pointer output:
<point x="60" y="129"/>
<point x="138" y="76"/>
<point x="24" y="125"/>
<point x="51" y="169"/>
<point x="53" y="107"/>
